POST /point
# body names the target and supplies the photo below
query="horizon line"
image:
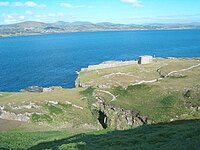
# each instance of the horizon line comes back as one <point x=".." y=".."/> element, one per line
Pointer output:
<point x="102" y="22"/>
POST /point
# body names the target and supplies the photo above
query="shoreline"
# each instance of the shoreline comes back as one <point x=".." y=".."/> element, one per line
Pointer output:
<point x="88" y="31"/>
<point x="51" y="88"/>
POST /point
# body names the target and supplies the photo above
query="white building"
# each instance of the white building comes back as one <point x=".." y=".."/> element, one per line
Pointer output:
<point x="145" y="59"/>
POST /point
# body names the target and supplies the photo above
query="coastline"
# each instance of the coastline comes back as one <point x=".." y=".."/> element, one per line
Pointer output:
<point x="125" y="50"/>
<point x="90" y="31"/>
<point x="95" y="67"/>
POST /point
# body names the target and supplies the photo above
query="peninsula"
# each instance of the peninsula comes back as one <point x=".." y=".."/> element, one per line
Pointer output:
<point x="112" y="96"/>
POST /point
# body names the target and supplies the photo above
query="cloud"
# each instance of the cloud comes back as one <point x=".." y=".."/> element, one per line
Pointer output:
<point x="30" y="4"/>
<point x="66" y="5"/>
<point x="29" y="12"/>
<point x="142" y="17"/>
<point x="174" y="18"/>
<point x="134" y="3"/>
<point x="33" y="4"/>
<point x="60" y="14"/>
<point x="53" y="17"/>
<point x="4" y="4"/>
<point x="50" y="15"/>
<point x="20" y="4"/>
<point x="13" y="18"/>
<point x="55" y="14"/>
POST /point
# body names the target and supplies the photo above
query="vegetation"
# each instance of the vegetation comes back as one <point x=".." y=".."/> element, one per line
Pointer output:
<point x="65" y="106"/>
<point x="171" y="102"/>
<point x="126" y="75"/>
<point x="174" y="135"/>
<point x="87" y="92"/>
<point x="40" y="118"/>
<point x="162" y="100"/>
<point x="53" y="110"/>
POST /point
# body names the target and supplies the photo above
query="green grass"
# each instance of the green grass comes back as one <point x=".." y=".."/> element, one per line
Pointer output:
<point x="24" y="140"/>
<point x="53" y="109"/>
<point x="133" y="73"/>
<point x="168" y="101"/>
<point x="40" y="118"/>
<point x="154" y="101"/>
<point x="162" y="100"/>
<point x="87" y="92"/>
<point x="177" y="135"/>
<point x="49" y="116"/>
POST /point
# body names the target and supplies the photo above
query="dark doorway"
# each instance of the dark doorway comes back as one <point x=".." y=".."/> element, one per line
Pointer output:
<point x="102" y="119"/>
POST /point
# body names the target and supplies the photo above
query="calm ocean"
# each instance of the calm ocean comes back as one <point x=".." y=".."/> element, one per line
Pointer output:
<point x="51" y="60"/>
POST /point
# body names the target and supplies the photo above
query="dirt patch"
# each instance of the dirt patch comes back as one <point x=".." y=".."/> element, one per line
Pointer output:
<point x="6" y="125"/>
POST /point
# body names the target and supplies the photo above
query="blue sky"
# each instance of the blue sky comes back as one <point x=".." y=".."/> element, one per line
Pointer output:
<point x="116" y="11"/>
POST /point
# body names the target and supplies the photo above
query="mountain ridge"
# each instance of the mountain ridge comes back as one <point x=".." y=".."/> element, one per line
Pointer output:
<point x="36" y="27"/>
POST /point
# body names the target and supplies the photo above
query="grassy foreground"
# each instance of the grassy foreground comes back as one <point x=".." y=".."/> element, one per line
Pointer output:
<point x="174" y="135"/>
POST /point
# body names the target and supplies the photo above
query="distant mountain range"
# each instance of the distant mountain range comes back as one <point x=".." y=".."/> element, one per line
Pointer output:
<point x="33" y="27"/>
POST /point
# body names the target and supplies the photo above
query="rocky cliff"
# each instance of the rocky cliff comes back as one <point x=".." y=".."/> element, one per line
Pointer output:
<point x="116" y="117"/>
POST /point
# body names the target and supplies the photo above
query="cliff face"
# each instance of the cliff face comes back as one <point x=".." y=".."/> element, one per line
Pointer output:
<point x="116" y="117"/>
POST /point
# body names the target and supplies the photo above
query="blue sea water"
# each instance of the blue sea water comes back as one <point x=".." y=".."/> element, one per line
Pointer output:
<point x="51" y="60"/>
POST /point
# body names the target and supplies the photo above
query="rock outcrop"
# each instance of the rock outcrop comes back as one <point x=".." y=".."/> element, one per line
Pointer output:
<point x="14" y="116"/>
<point x="115" y="117"/>
<point x="37" y="89"/>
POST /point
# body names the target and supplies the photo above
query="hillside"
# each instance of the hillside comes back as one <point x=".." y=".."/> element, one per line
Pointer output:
<point x="174" y="135"/>
<point x="117" y="97"/>
<point x="166" y="90"/>
<point x="54" y="110"/>
<point x="33" y="27"/>
<point x="145" y="97"/>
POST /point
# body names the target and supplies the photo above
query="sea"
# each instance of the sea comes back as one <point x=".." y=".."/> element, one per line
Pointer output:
<point x="53" y="59"/>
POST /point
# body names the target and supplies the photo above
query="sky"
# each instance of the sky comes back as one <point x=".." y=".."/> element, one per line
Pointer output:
<point x="116" y="11"/>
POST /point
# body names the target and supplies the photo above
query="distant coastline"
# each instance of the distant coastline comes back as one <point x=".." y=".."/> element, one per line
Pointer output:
<point x="24" y="35"/>
<point x="30" y="28"/>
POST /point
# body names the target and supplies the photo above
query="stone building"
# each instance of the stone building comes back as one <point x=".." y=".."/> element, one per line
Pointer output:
<point x="145" y="59"/>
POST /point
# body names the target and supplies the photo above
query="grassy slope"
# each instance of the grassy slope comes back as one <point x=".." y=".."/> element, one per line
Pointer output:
<point x="174" y="135"/>
<point x="53" y="116"/>
<point x="133" y="73"/>
<point x="161" y="101"/>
